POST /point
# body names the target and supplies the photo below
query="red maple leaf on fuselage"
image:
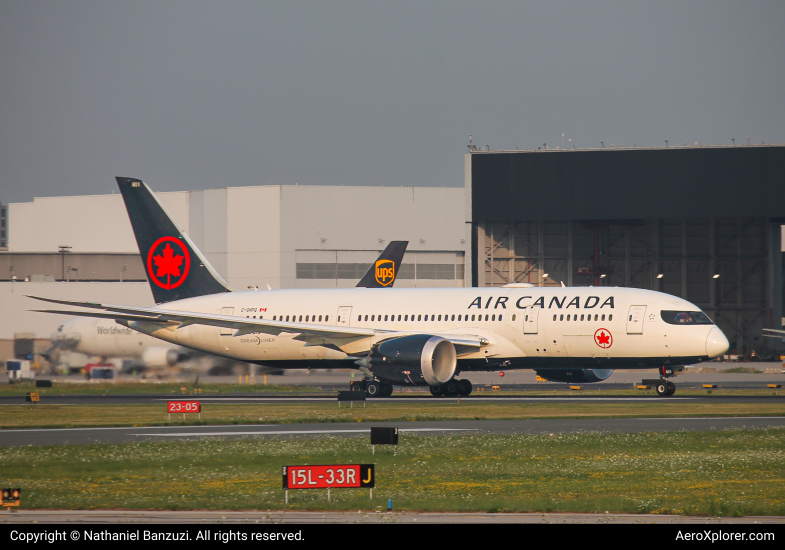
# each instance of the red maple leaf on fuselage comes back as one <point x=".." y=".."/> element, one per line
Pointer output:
<point x="168" y="264"/>
<point x="603" y="338"/>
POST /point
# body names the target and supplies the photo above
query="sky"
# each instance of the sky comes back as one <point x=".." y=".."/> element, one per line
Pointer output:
<point x="203" y="94"/>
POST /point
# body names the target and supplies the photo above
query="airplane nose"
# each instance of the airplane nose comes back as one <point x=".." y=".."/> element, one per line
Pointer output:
<point x="716" y="343"/>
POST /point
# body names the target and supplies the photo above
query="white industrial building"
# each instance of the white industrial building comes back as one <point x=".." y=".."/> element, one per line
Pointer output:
<point x="284" y="236"/>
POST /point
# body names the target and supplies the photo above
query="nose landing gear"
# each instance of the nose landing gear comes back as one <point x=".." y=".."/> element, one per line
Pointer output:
<point x="665" y="388"/>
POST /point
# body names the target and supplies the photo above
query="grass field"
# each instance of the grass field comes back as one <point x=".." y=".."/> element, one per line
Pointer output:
<point x="729" y="473"/>
<point x="61" y="416"/>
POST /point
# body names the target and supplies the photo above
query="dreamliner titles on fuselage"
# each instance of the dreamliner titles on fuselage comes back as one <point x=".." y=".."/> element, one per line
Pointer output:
<point x="591" y="302"/>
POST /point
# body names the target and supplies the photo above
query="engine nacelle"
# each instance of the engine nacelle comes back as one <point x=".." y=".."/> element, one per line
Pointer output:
<point x="159" y="357"/>
<point x="574" y="375"/>
<point x="417" y="360"/>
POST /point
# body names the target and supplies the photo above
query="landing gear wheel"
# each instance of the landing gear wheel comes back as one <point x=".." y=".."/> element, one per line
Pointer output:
<point x="465" y="387"/>
<point x="385" y="390"/>
<point x="437" y="391"/>
<point x="662" y="388"/>
<point x="452" y="388"/>
<point x="373" y="389"/>
<point x="357" y="386"/>
<point x="671" y="388"/>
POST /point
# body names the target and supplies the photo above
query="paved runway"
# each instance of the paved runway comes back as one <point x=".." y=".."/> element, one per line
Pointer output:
<point x="38" y="437"/>
<point x="89" y="517"/>
<point x="422" y="397"/>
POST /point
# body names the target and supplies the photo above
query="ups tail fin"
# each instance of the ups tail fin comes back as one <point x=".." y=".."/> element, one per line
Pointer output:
<point x="385" y="269"/>
<point x="175" y="268"/>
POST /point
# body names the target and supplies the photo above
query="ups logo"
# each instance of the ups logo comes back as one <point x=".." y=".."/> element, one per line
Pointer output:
<point x="385" y="272"/>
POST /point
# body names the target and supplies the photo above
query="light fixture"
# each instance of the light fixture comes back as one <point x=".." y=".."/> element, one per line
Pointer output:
<point x="602" y="276"/>
<point x="544" y="275"/>
<point x="659" y="275"/>
<point x="716" y="276"/>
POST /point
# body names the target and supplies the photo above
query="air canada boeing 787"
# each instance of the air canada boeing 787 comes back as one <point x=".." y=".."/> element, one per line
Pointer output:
<point x="405" y="337"/>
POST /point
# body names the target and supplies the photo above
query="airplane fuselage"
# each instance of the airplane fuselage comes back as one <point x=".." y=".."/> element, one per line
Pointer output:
<point x="550" y="327"/>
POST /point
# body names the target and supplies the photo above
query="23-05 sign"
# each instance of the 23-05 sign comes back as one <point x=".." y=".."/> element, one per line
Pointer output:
<point x="328" y="476"/>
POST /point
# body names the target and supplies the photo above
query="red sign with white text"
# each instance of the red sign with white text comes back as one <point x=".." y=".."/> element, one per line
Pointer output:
<point x="324" y="477"/>
<point x="183" y="407"/>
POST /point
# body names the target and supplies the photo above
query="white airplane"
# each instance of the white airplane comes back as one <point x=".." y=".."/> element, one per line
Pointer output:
<point x="105" y="339"/>
<point x="405" y="337"/>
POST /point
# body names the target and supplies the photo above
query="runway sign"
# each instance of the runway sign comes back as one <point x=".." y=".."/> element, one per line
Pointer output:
<point x="329" y="476"/>
<point x="183" y="407"/>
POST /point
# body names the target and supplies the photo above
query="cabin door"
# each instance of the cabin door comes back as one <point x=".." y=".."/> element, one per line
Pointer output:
<point x="635" y="319"/>
<point x="344" y="315"/>
<point x="530" y="320"/>
<point x="226" y="331"/>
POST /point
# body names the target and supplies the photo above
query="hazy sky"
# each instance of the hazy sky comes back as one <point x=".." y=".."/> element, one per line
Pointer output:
<point x="197" y="94"/>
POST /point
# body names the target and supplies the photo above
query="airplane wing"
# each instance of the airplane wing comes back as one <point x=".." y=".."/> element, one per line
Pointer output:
<point x="311" y="334"/>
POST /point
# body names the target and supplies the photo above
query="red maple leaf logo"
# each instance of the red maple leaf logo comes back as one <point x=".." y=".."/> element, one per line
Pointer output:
<point x="168" y="265"/>
<point x="603" y="338"/>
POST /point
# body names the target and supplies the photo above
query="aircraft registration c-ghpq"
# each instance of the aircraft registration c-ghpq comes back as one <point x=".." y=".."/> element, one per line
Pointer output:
<point x="405" y="337"/>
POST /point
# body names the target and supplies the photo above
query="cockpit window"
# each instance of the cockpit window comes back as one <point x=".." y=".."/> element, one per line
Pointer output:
<point x="685" y="318"/>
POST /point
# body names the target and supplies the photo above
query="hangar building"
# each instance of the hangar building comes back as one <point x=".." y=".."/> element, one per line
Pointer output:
<point x="702" y="223"/>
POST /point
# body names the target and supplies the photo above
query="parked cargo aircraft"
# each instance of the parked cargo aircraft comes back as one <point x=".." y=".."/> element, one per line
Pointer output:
<point x="406" y="337"/>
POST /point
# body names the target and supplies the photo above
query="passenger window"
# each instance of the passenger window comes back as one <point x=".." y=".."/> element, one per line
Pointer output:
<point x="486" y="316"/>
<point x="405" y="317"/>
<point x="287" y="318"/>
<point x="459" y="317"/>
<point x="453" y="318"/>
<point x="306" y="318"/>
<point x="568" y="316"/>
<point x="554" y="317"/>
<point x="493" y="317"/>
<point x="385" y="317"/>
<point x="610" y="317"/>
<point x="595" y="316"/>
<point x="399" y="317"/>
<point x="359" y="317"/>
<point x="581" y="317"/>
<point x="419" y="317"/>
<point x="513" y="317"/>
<point x="561" y="317"/>
<point x="603" y="317"/>
<point x="373" y="317"/>
<point x="320" y="318"/>
<point x="472" y="317"/>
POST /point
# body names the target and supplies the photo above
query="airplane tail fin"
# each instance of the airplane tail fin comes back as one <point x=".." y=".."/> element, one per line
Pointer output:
<point x="385" y="269"/>
<point x="175" y="268"/>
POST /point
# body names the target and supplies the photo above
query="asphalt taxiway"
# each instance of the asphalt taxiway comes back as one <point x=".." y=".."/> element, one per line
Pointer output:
<point x="65" y="436"/>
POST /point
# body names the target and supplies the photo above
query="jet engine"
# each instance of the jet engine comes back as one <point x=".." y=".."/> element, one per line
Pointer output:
<point x="574" y="375"/>
<point x="417" y="360"/>
<point x="160" y="357"/>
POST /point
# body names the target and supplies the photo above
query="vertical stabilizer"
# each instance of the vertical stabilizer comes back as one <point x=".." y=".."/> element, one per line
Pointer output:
<point x="384" y="270"/>
<point x="175" y="268"/>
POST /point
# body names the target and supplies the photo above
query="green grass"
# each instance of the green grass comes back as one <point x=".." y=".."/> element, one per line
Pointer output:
<point x="729" y="473"/>
<point x="43" y="415"/>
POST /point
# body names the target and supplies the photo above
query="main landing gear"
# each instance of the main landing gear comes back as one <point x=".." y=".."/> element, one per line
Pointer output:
<point x="372" y="388"/>
<point x="453" y="388"/>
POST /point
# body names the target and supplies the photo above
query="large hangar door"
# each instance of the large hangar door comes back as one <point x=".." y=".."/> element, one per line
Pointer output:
<point x="530" y="320"/>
